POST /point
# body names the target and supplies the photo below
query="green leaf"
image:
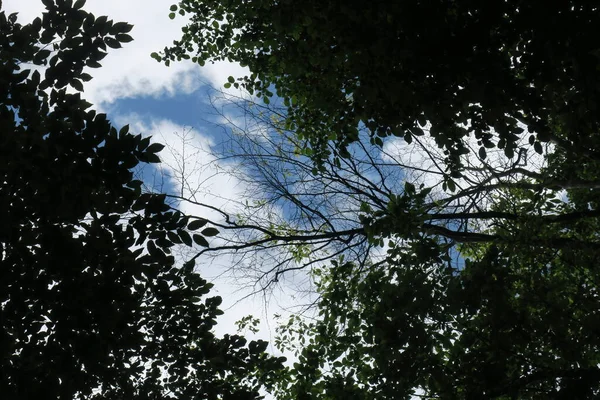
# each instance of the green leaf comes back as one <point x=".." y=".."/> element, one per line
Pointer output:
<point x="120" y="27"/>
<point x="112" y="43"/>
<point x="210" y="232"/>
<point x="164" y="244"/>
<point x="101" y="20"/>
<point x="482" y="153"/>
<point x="76" y="84"/>
<point x="185" y="237"/>
<point x="152" y="158"/>
<point x="85" y="77"/>
<point x="173" y="237"/>
<point x="93" y="63"/>
<point x="143" y="145"/>
<point x="197" y="224"/>
<point x="155" y="148"/>
<point x="172" y="15"/>
<point x="123" y="38"/>
<point x="135" y="183"/>
<point x="451" y="185"/>
<point x="188" y="266"/>
<point x="200" y="240"/>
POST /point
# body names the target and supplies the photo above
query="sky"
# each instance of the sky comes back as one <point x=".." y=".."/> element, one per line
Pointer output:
<point x="172" y="104"/>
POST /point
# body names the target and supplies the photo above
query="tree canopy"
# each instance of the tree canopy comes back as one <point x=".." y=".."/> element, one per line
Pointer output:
<point x="484" y="281"/>
<point x="464" y="67"/>
<point x="92" y="304"/>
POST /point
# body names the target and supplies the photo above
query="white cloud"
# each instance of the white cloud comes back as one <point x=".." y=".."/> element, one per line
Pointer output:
<point x="190" y="165"/>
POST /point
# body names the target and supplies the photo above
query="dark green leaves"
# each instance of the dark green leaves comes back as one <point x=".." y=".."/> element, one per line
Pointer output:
<point x="185" y="237"/>
<point x="78" y="4"/>
<point x="112" y="43"/>
<point x="123" y="38"/>
<point x="482" y="153"/>
<point x="120" y="28"/>
<point x="93" y="64"/>
<point x="210" y="232"/>
<point x="76" y="84"/>
<point x="197" y="224"/>
<point x="150" y="150"/>
<point x="339" y="60"/>
<point x="155" y="148"/>
<point x="144" y="143"/>
<point x="200" y="240"/>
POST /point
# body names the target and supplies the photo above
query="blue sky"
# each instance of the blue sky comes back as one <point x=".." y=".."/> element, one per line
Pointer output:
<point x="186" y="109"/>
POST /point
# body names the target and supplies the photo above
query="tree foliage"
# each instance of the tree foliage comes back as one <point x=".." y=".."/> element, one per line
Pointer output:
<point x="466" y="68"/>
<point x="92" y="304"/>
<point x="485" y="283"/>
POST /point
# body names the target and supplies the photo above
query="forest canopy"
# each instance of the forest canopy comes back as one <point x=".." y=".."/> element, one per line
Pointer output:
<point x="468" y="273"/>
<point x="429" y="167"/>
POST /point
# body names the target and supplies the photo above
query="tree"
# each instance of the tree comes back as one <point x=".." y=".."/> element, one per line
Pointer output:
<point x="302" y="220"/>
<point x="478" y="88"/>
<point x="92" y="304"/>
<point x="499" y="75"/>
